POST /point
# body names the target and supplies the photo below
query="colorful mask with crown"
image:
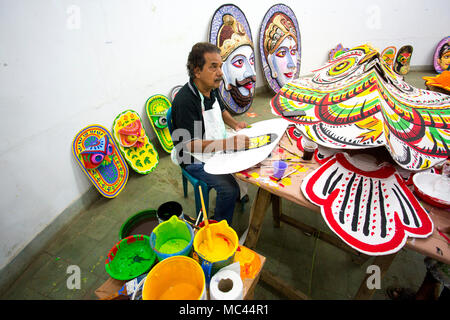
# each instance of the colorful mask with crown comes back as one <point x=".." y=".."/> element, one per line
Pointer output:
<point x="230" y="32"/>
<point x="279" y="46"/>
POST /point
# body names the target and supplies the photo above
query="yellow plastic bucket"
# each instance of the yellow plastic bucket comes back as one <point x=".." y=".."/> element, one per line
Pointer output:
<point x="175" y="278"/>
<point x="222" y="251"/>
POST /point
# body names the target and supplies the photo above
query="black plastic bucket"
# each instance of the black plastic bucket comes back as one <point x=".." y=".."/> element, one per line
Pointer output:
<point x="168" y="209"/>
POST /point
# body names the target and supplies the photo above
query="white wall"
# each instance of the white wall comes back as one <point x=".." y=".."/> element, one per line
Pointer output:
<point x="67" y="64"/>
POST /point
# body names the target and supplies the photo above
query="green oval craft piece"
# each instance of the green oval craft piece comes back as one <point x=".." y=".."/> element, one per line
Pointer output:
<point x="156" y="107"/>
<point x="130" y="258"/>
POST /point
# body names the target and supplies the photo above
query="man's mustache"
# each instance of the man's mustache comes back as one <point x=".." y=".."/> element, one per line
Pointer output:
<point x="243" y="82"/>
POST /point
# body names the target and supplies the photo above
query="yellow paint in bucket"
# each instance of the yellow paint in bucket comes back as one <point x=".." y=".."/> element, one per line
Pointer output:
<point x="216" y="248"/>
<point x="221" y="253"/>
<point x="224" y="242"/>
<point x="175" y="278"/>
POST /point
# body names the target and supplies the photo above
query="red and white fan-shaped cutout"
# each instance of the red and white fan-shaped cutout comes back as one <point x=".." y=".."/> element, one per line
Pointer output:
<point x="372" y="211"/>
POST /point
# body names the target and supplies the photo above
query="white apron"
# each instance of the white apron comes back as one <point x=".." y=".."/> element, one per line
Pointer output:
<point x="215" y="130"/>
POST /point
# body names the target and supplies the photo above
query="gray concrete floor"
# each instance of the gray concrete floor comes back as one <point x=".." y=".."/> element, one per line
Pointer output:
<point x="309" y="265"/>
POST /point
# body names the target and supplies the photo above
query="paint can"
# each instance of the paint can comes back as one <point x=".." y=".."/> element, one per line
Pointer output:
<point x="173" y="237"/>
<point x="309" y="147"/>
<point x="168" y="209"/>
<point x="142" y="222"/>
<point x="175" y="278"/>
<point x="249" y="262"/>
<point x="225" y="243"/>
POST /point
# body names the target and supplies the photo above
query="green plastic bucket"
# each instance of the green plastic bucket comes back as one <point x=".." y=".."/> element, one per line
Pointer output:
<point x="172" y="238"/>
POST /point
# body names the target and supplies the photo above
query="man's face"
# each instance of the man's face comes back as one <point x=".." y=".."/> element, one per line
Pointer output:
<point x="284" y="61"/>
<point x="211" y="74"/>
<point x="239" y="75"/>
<point x="239" y="70"/>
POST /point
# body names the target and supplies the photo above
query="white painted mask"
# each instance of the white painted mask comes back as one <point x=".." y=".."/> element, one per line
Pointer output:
<point x="283" y="62"/>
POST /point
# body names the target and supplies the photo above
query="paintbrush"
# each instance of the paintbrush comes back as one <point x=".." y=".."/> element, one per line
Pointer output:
<point x="443" y="235"/>
<point x="284" y="148"/>
<point x="290" y="140"/>
<point x="296" y="159"/>
<point x="205" y="218"/>
<point x="288" y="174"/>
<point x="285" y="176"/>
<point x="192" y="225"/>
<point x="198" y="217"/>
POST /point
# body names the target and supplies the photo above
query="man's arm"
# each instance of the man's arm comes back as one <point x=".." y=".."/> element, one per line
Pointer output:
<point x="231" y="122"/>
<point x="237" y="142"/>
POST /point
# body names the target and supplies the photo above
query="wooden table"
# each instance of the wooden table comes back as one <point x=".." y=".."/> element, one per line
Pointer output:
<point x="434" y="246"/>
<point x="108" y="290"/>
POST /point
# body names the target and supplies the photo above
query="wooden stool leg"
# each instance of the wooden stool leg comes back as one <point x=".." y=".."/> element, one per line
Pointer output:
<point x="276" y="210"/>
<point x="383" y="262"/>
<point x="257" y="212"/>
<point x="280" y="285"/>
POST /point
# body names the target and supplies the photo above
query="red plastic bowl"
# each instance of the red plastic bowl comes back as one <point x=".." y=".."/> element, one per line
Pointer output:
<point x="423" y="187"/>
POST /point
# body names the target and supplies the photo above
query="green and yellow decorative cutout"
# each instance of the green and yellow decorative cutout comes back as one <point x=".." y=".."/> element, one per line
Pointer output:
<point x="134" y="143"/>
<point x="156" y="107"/>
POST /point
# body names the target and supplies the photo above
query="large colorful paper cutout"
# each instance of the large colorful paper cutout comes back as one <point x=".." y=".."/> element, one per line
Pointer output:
<point x="357" y="101"/>
<point x="133" y="142"/>
<point x="441" y="57"/>
<point x="156" y="108"/>
<point x="372" y="211"/>
<point x="96" y="152"/>
<point x="388" y="55"/>
<point x="231" y="32"/>
<point x="336" y="52"/>
<point x="280" y="46"/>
<point x="403" y="60"/>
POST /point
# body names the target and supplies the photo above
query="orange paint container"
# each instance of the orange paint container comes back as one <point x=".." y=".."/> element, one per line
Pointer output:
<point x="249" y="261"/>
<point x="175" y="278"/>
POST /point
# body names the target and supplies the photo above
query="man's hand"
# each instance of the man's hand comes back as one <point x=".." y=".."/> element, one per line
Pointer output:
<point x="237" y="142"/>
<point x="240" y="125"/>
<point x="232" y="123"/>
